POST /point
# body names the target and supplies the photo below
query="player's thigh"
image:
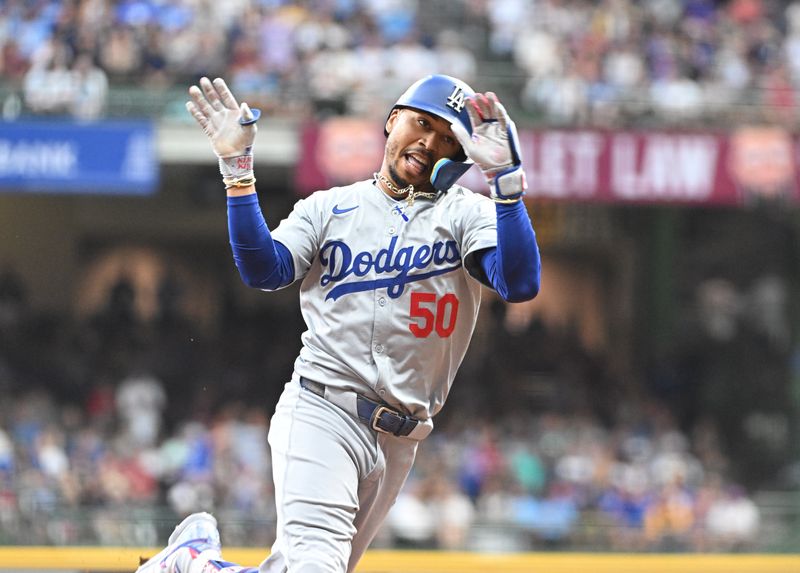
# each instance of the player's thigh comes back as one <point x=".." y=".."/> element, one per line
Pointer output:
<point x="380" y="489"/>
<point x="319" y="456"/>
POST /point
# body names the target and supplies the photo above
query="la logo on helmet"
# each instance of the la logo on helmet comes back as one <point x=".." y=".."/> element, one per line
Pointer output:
<point x="456" y="99"/>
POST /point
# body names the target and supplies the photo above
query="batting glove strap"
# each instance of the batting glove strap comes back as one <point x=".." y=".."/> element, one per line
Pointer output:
<point x="508" y="186"/>
<point x="239" y="167"/>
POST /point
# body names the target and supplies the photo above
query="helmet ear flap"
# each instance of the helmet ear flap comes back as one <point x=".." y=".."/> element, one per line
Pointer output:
<point x="446" y="172"/>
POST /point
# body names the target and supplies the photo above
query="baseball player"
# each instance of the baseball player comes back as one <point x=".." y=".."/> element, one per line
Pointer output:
<point x="392" y="270"/>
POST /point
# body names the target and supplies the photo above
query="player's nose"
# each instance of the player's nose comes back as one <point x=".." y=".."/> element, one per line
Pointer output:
<point x="433" y="143"/>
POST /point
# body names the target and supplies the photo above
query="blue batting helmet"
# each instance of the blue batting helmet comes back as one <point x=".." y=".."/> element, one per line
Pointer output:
<point x="444" y="97"/>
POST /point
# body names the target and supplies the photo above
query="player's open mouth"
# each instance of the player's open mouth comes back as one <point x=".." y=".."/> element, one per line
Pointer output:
<point x="416" y="163"/>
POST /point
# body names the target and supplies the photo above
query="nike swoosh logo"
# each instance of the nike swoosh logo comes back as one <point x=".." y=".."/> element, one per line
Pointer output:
<point x="337" y="211"/>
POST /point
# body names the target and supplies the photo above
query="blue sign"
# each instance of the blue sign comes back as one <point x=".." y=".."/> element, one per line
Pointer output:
<point x="63" y="157"/>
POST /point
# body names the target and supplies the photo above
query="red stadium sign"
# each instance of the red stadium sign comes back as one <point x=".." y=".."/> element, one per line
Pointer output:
<point x="748" y="165"/>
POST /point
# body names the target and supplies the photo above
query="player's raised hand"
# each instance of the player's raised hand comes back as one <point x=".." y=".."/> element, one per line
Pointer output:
<point x="230" y="127"/>
<point x="493" y="145"/>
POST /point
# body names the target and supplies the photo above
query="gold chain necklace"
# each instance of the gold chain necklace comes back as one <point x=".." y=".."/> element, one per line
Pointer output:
<point x="412" y="194"/>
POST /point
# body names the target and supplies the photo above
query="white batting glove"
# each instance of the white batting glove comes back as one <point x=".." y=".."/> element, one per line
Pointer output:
<point x="229" y="126"/>
<point x="493" y="146"/>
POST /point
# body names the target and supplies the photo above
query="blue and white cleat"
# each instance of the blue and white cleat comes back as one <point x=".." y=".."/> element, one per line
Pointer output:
<point x="195" y="539"/>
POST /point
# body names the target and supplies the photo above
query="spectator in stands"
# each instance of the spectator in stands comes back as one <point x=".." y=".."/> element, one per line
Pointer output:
<point x="48" y="83"/>
<point x="120" y="55"/>
<point x="141" y="400"/>
<point x="89" y="89"/>
<point x="419" y="532"/>
<point x="455" y="513"/>
<point x="669" y="519"/>
<point x="13" y="64"/>
<point x="732" y="521"/>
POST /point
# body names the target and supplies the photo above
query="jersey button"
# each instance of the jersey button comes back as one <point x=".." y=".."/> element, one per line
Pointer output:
<point x="379" y="348"/>
<point x="382" y="392"/>
<point x="382" y="301"/>
<point x="392" y="230"/>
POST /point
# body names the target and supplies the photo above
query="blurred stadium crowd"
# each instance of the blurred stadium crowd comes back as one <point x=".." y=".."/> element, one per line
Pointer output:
<point x="112" y="425"/>
<point x="109" y="427"/>
<point x="559" y="61"/>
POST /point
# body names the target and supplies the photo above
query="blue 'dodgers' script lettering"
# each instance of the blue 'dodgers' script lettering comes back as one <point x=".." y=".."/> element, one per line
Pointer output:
<point x="342" y="263"/>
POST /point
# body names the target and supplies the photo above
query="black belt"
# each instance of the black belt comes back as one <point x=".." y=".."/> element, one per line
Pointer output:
<point x="377" y="416"/>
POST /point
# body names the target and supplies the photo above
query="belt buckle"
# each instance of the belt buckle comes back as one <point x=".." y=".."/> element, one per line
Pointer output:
<point x="376" y="416"/>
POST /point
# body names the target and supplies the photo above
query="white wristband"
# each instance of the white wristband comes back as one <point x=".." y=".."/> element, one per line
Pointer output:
<point x="239" y="167"/>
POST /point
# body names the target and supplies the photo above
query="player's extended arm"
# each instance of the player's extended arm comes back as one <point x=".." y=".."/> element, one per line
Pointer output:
<point x="513" y="268"/>
<point x="231" y="128"/>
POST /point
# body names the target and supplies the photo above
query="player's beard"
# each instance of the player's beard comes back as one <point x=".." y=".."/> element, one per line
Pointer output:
<point x="400" y="181"/>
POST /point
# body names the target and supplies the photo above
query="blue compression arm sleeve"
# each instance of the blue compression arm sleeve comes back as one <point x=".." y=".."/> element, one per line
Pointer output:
<point x="514" y="267"/>
<point x="262" y="262"/>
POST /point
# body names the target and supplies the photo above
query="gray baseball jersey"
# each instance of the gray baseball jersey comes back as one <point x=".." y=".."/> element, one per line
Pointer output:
<point x="395" y="275"/>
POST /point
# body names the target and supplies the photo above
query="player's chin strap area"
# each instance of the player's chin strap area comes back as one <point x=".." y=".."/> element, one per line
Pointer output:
<point x="380" y="417"/>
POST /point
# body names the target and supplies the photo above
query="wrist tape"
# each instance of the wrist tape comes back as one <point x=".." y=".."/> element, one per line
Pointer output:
<point x="237" y="171"/>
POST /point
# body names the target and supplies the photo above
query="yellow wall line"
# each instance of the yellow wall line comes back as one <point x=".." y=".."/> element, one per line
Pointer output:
<point x="127" y="558"/>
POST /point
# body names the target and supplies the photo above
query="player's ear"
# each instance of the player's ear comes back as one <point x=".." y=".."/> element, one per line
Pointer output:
<point x="391" y="120"/>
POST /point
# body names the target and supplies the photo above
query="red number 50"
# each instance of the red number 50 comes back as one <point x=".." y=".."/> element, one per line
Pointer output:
<point x="440" y="315"/>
